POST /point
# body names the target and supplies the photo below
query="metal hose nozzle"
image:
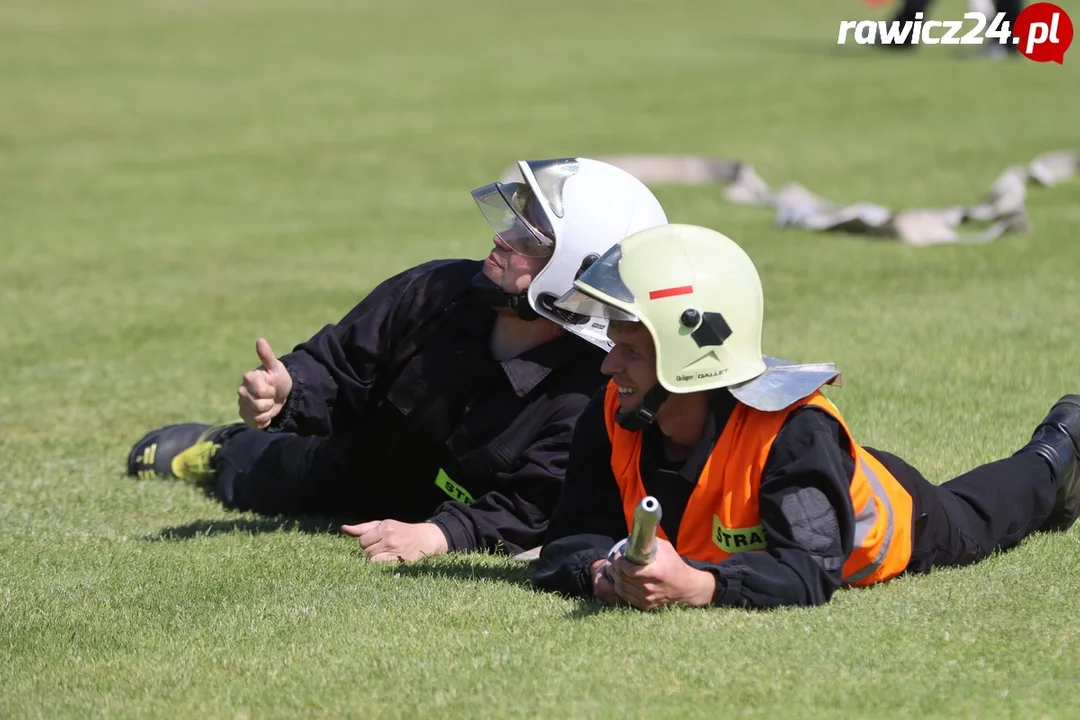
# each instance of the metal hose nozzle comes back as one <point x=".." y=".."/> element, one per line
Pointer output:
<point x="641" y="545"/>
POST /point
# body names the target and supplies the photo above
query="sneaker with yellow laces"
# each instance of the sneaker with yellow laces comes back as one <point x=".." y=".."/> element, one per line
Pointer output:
<point x="178" y="452"/>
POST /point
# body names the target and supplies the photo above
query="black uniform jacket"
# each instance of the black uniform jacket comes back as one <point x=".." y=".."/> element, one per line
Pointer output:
<point x="408" y="374"/>
<point x="805" y="509"/>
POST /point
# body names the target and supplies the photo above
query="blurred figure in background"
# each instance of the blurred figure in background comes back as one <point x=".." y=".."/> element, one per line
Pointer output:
<point x="438" y="413"/>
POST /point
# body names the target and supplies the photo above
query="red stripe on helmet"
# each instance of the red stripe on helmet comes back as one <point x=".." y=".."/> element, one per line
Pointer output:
<point x="671" y="292"/>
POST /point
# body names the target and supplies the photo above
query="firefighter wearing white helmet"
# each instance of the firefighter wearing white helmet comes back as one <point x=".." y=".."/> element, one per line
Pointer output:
<point x="767" y="497"/>
<point x="437" y="414"/>
<point x="569" y="211"/>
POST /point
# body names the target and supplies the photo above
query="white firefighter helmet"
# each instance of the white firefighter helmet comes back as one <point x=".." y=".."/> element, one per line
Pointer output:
<point x="700" y="296"/>
<point x="571" y="210"/>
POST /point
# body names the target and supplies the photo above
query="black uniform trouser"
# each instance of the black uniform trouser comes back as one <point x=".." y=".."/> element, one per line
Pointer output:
<point x="988" y="509"/>
<point x="339" y="476"/>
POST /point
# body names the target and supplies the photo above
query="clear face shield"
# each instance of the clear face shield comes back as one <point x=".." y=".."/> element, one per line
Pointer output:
<point x="603" y="277"/>
<point x="517" y="218"/>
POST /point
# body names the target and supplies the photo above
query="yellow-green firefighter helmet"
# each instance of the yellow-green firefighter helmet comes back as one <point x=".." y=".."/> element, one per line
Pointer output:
<point x="700" y="296"/>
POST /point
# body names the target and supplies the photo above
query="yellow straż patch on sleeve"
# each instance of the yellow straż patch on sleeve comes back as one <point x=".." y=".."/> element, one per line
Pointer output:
<point x="451" y="488"/>
<point x="737" y="540"/>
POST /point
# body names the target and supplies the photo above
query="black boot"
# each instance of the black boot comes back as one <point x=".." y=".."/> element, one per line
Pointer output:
<point x="179" y="452"/>
<point x="1057" y="440"/>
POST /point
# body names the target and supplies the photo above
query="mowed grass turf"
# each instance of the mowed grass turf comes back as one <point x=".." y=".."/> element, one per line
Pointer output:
<point x="179" y="177"/>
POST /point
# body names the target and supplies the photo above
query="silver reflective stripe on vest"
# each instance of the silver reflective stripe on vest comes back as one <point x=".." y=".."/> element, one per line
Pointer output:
<point x="865" y="520"/>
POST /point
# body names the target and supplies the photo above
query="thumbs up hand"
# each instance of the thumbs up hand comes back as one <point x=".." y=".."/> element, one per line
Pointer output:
<point x="265" y="389"/>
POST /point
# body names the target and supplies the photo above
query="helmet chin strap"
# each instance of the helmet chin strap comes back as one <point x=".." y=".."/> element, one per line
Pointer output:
<point x="642" y="417"/>
<point x="495" y="297"/>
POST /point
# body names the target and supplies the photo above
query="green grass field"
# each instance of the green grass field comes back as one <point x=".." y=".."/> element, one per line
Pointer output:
<point x="179" y="177"/>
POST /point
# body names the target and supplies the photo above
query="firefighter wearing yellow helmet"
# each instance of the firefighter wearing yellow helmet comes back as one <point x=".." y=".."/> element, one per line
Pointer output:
<point x="768" y="498"/>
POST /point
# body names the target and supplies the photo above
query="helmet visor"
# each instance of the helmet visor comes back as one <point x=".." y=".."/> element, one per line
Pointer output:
<point x="576" y="301"/>
<point x="516" y="216"/>
<point x="601" y="279"/>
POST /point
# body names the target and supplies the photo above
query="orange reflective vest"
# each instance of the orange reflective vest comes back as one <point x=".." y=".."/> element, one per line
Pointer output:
<point x="722" y="516"/>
